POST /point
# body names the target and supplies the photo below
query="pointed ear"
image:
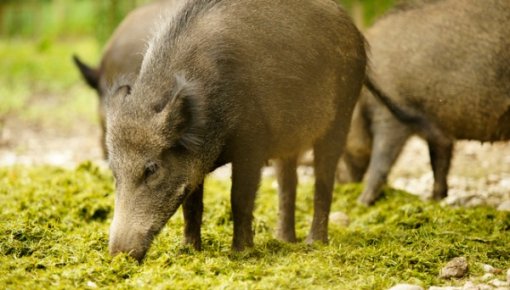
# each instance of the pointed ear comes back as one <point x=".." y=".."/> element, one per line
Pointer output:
<point x="184" y="113"/>
<point x="91" y="75"/>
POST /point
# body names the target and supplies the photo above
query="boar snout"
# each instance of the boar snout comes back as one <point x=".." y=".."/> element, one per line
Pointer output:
<point x="134" y="242"/>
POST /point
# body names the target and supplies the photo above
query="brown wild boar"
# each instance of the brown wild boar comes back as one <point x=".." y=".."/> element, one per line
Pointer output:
<point x="124" y="52"/>
<point x="240" y="82"/>
<point x="447" y="63"/>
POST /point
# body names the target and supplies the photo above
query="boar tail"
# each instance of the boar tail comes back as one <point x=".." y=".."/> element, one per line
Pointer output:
<point x="404" y="114"/>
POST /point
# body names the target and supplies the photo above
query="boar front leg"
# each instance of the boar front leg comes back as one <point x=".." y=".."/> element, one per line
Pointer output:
<point x="287" y="183"/>
<point x="440" y="160"/>
<point x="245" y="182"/>
<point x="193" y="208"/>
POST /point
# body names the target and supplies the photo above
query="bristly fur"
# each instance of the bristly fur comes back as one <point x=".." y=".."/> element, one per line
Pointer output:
<point x="171" y="30"/>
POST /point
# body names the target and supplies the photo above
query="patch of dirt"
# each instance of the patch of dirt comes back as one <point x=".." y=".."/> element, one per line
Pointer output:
<point x="479" y="175"/>
<point x="30" y="144"/>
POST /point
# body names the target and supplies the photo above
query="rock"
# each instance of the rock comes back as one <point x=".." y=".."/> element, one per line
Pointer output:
<point x="504" y="206"/>
<point x="470" y="286"/>
<point x="456" y="268"/>
<point x="487" y="277"/>
<point x="484" y="287"/>
<point x="445" y="288"/>
<point x="340" y="218"/>
<point x="406" y="287"/>
<point x="489" y="269"/>
<point x="91" y="284"/>
<point x="499" y="283"/>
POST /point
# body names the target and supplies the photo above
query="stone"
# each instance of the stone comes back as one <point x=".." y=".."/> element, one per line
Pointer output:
<point x="470" y="286"/>
<point x="406" y="287"/>
<point x="339" y="218"/>
<point x="456" y="268"/>
<point x="499" y="283"/>
<point x="504" y="206"/>
<point x="487" y="276"/>
<point x="488" y="268"/>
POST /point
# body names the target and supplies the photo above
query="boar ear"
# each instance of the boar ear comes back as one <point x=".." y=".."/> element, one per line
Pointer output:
<point x="91" y="75"/>
<point x="184" y="113"/>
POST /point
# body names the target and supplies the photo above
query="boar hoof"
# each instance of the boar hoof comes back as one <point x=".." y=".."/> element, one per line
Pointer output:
<point x="285" y="237"/>
<point x="196" y="244"/>
<point x="366" y="199"/>
<point x="313" y="239"/>
<point x="239" y="246"/>
<point x="439" y="195"/>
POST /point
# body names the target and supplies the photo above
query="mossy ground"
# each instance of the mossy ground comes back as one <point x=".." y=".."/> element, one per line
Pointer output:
<point x="54" y="235"/>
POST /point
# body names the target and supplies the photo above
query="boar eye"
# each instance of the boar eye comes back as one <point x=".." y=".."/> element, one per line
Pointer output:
<point x="178" y="148"/>
<point x="150" y="169"/>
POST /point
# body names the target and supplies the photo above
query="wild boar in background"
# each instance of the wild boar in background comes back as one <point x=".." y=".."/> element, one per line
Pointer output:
<point x="447" y="62"/>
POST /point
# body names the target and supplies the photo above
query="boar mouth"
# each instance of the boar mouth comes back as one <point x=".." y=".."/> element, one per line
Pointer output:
<point x="134" y="244"/>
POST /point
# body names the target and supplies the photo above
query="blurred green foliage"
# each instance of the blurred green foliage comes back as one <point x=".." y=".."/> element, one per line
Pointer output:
<point x="40" y="84"/>
<point x="49" y="19"/>
<point x="365" y="12"/>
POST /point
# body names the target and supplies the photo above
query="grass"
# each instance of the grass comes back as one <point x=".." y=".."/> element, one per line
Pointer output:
<point x="54" y="234"/>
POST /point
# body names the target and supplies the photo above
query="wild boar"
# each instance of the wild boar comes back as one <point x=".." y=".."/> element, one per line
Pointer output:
<point x="447" y="62"/>
<point x="123" y="53"/>
<point x="240" y="82"/>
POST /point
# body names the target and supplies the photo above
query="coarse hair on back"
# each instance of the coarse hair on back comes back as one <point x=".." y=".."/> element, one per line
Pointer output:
<point x="171" y="27"/>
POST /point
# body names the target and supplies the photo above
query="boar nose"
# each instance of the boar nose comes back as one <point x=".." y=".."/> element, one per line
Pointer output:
<point x="128" y="245"/>
<point x="128" y="241"/>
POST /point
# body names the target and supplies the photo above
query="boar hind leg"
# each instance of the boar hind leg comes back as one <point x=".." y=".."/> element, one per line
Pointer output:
<point x="192" y="208"/>
<point x="354" y="162"/>
<point x="352" y="168"/>
<point x="245" y="182"/>
<point x="326" y="152"/>
<point x="287" y="183"/>
<point x="440" y="159"/>
<point x="389" y="139"/>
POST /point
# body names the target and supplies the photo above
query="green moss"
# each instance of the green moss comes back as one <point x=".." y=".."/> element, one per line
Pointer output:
<point x="54" y="234"/>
